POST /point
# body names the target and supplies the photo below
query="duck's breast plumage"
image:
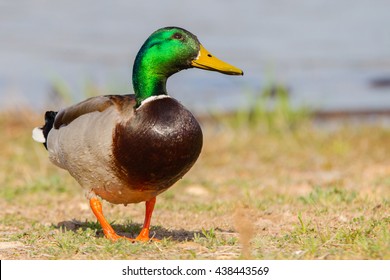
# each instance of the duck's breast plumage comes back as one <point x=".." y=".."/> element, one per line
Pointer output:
<point x="158" y="145"/>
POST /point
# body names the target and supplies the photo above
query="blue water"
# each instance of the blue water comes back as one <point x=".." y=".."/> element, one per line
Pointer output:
<point x="326" y="52"/>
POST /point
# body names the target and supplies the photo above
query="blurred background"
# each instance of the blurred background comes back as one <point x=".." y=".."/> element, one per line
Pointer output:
<point x="329" y="56"/>
<point x="295" y="162"/>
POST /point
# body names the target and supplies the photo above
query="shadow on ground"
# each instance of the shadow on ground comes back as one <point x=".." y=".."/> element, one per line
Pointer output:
<point x="130" y="230"/>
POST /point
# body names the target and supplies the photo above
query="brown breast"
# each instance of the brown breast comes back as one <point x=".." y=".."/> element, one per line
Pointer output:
<point x="157" y="146"/>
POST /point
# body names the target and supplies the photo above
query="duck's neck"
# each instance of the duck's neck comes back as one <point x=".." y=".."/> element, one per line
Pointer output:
<point x="147" y="79"/>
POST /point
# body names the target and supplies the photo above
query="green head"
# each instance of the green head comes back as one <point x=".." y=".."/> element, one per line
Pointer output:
<point x="167" y="51"/>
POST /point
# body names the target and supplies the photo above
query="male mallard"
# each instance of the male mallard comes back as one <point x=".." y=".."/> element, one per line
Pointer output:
<point x="130" y="148"/>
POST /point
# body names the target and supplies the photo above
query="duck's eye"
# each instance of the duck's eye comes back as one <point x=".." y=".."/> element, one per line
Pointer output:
<point x="177" y="36"/>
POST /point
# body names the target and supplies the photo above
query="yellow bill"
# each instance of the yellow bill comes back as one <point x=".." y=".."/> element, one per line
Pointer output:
<point x="209" y="62"/>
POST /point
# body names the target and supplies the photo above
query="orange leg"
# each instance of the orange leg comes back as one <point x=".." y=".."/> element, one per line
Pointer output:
<point x="144" y="234"/>
<point x="110" y="233"/>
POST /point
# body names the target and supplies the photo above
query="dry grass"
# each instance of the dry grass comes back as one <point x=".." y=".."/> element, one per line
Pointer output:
<point x="255" y="192"/>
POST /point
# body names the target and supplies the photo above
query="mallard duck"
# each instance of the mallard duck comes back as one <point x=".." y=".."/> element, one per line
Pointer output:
<point x="131" y="148"/>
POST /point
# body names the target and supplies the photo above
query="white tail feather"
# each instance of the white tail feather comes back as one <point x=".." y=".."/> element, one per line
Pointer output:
<point x="37" y="135"/>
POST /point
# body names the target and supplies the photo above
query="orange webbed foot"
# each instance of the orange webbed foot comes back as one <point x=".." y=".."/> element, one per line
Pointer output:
<point x="115" y="237"/>
<point x="143" y="236"/>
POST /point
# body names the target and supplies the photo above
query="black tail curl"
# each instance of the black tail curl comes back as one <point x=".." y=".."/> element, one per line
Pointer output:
<point x="49" y="121"/>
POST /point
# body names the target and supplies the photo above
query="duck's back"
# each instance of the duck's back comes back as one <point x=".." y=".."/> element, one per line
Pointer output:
<point x="80" y="140"/>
